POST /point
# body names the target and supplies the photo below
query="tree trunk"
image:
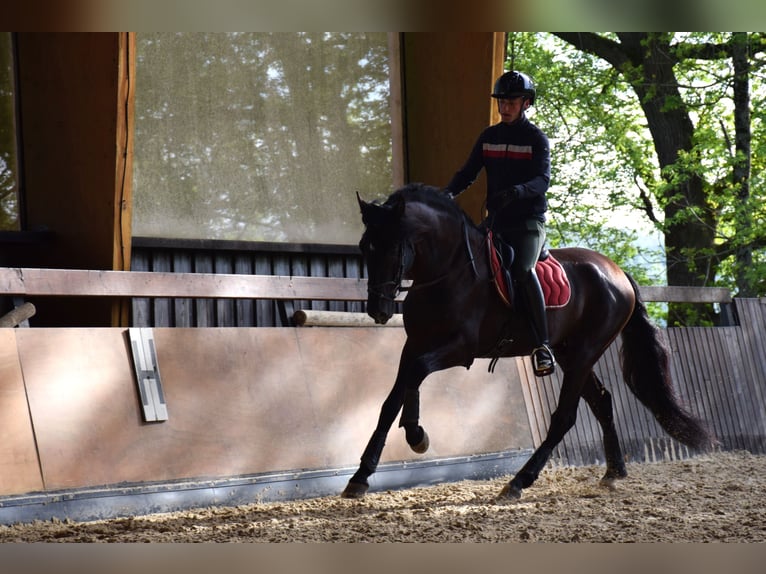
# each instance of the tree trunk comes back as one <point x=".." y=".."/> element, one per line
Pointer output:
<point x="741" y="172"/>
<point x="646" y="62"/>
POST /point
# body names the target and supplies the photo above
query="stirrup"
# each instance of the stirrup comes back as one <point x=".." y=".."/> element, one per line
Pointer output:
<point x="543" y="363"/>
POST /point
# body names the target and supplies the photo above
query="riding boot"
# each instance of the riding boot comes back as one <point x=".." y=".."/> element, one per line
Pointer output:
<point x="543" y="362"/>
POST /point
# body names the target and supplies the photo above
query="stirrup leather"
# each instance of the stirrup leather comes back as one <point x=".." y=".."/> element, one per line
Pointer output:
<point x="543" y="363"/>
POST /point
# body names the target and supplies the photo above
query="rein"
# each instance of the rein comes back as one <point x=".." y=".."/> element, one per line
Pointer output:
<point x="405" y="264"/>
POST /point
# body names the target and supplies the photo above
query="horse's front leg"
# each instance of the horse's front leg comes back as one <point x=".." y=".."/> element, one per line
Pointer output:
<point x="411" y="373"/>
<point x="358" y="485"/>
<point x="416" y="436"/>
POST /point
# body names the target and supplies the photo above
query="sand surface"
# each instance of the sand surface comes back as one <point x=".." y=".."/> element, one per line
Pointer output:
<point x="712" y="498"/>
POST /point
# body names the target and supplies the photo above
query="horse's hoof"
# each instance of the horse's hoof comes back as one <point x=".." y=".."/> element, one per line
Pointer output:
<point x="355" y="490"/>
<point x="509" y="493"/>
<point x="609" y="482"/>
<point x="423" y="445"/>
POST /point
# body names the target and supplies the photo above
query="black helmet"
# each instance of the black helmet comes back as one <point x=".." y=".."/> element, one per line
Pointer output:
<point x="512" y="84"/>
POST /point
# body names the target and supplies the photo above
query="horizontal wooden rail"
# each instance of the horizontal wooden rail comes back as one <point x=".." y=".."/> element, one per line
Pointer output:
<point x="36" y="282"/>
<point x="312" y="318"/>
<point x="86" y="283"/>
<point x="677" y="294"/>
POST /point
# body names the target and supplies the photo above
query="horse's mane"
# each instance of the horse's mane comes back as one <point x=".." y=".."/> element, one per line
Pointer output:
<point x="429" y="195"/>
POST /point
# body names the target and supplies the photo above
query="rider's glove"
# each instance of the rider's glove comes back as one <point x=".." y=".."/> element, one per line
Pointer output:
<point x="503" y="198"/>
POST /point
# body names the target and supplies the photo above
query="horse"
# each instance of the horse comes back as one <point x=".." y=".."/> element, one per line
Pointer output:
<point x="453" y="314"/>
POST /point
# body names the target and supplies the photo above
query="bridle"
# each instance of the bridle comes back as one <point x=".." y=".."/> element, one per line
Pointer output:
<point x="406" y="259"/>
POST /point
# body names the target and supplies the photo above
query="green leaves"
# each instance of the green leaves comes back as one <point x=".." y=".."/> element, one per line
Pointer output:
<point x="647" y="123"/>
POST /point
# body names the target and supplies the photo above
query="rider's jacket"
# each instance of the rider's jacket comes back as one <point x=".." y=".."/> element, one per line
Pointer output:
<point x="517" y="155"/>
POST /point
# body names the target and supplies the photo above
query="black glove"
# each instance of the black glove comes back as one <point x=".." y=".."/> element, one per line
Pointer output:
<point x="503" y="198"/>
<point x="513" y="194"/>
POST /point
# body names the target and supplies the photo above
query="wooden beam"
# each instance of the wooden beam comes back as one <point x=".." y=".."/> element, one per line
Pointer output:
<point x="88" y="283"/>
<point x="315" y="318"/>
<point x="678" y="294"/>
<point x="17" y="316"/>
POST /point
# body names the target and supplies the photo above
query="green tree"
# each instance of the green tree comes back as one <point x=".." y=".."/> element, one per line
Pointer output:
<point x="672" y="126"/>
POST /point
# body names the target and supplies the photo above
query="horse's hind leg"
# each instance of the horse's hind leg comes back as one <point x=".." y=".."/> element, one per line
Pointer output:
<point x="562" y="419"/>
<point x="600" y="402"/>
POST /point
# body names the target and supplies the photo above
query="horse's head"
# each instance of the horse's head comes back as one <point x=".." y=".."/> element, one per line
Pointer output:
<point x="387" y="253"/>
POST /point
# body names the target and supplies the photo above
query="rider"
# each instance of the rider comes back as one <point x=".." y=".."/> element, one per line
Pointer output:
<point x="516" y="156"/>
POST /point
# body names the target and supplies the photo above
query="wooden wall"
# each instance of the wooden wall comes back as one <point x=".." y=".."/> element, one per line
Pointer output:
<point x="76" y="95"/>
<point x="257" y="401"/>
<point x="253" y="401"/>
<point x="448" y="81"/>
<point x="239" y="401"/>
<point x="75" y="107"/>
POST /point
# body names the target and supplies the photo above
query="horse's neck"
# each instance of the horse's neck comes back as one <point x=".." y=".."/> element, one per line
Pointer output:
<point x="438" y="254"/>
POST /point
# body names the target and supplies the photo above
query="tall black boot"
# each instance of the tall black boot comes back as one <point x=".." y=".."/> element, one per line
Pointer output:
<point x="543" y="363"/>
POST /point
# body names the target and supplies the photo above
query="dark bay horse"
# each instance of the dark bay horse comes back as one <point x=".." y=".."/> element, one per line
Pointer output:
<point x="453" y="314"/>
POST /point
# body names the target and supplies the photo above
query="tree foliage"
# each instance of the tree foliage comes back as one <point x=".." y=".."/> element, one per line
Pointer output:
<point x="667" y="126"/>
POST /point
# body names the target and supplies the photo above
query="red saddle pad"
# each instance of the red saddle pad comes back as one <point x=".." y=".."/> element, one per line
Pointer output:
<point x="554" y="282"/>
<point x="550" y="273"/>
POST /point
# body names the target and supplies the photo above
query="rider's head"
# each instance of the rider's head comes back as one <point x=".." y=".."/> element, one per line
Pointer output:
<point x="514" y="92"/>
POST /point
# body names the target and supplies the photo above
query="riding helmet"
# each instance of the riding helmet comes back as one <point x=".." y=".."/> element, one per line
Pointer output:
<point x="512" y="84"/>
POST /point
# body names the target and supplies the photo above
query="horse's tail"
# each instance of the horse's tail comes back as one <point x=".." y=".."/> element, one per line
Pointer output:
<point x="646" y="370"/>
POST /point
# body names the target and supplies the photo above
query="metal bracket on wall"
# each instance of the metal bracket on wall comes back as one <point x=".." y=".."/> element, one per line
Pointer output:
<point x="147" y="371"/>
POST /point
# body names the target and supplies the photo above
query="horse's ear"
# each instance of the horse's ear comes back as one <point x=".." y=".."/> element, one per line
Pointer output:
<point x="364" y="207"/>
<point x="362" y="203"/>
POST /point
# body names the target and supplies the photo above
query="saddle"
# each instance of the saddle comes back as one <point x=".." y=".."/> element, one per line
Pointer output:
<point x="550" y="273"/>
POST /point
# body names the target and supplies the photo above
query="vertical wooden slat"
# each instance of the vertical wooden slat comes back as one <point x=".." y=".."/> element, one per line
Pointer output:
<point x="280" y="266"/>
<point x="530" y="404"/>
<point x="335" y="268"/>
<point x="753" y="326"/>
<point x="736" y="383"/>
<point x="353" y="269"/>
<point x="264" y="309"/>
<point x="183" y="308"/>
<point x="204" y="309"/>
<point x="705" y="387"/>
<point x="627" y="417"/>
<point x="726" y="361"/>
<point x="299" y="267"/>
<point x="318" y="268"/>
<point x="141" y="307"/>
<point x="752" y="314"/>
<point x="224" y="308"/>
<point x="163" y="307"/>
<point x="245" y="308"/>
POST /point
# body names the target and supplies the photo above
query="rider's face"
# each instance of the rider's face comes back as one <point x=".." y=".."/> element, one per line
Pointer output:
<point x="510" y="108"/>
